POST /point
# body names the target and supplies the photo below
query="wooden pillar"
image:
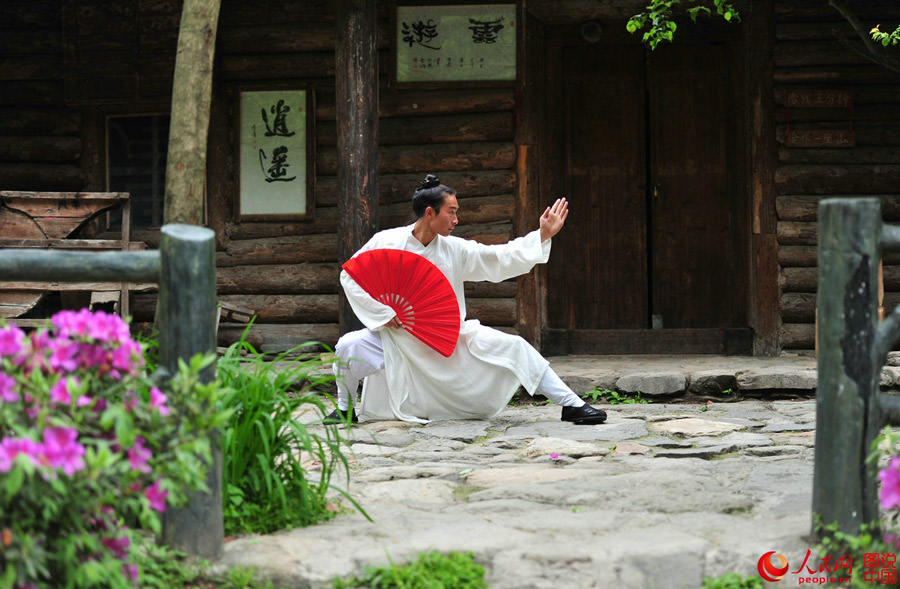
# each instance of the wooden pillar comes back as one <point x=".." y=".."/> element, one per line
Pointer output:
<point x="848" y="414"/>
<point x="187" y="315"/>
<point x="530" y="105"/>
<point x="765" y="298"/>
<point x="356" y="81"/>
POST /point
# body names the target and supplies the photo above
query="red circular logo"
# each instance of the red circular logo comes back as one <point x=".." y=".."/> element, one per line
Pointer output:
<point x="770" y="571"/>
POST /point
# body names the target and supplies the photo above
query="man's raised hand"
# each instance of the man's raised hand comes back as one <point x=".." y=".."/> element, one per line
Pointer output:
<point x="554" y="218"/>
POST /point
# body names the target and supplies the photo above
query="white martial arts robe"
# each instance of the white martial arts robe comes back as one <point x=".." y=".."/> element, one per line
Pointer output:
<point x="477" y="381"/>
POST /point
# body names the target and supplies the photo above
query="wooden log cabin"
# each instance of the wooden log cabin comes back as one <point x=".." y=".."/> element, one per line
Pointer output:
<point x="693" y="170"/>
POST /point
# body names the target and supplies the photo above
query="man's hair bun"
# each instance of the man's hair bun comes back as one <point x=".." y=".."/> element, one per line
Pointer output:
<point x="430" y="181"/>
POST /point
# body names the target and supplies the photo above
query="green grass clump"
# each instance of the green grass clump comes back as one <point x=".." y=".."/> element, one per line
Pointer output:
<point x="432" y="570"/>
<point x="614" y="397"/>
<point x="164" y="568"/>
<point x="732" y="581"/>
<point x="265" y="487"/>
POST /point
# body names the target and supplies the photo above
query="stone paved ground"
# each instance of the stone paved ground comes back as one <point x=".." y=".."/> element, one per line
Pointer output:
<point x="658" y="497"/>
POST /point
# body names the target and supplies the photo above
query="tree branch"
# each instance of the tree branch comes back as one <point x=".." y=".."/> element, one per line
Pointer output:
<point x="872" y="51"/>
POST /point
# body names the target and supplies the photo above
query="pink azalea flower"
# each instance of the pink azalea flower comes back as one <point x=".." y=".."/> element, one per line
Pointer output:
<point x="118" y="546"/>
<point x="107" y="327"/>
<point x="554" y="456"/>
<point x="84" y="401"/>
<point x="156" y="496"/>
<point x="69" y="323"/>
<point x="158" y="401"/>
<point x="10" y="448"/>
<point x="127" y="357"/>
<point x="8" y="388"/>
<point x="11" y="340"/>
<point x="36" y="359"/>
<point x="63" y="355"/>
<point x="61" y="392"/>
<point x="129" y="400"/>
<point x="62" y="450"/>
<point x="131" y="572"/>
<point x="138" y="456"/>
<point x="32" y="411"/>
<point x="890" y="484"/>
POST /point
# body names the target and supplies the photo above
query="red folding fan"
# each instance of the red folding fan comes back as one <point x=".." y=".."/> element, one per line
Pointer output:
<point x="413" y="287"/>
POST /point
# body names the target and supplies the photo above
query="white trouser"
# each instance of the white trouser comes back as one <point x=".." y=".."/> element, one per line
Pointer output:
<point x="359" y="354"/>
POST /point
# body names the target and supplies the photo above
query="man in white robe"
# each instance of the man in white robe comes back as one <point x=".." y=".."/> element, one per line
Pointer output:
<point x="406" y="379"/>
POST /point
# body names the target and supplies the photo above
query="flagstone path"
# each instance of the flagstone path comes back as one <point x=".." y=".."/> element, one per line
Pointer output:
<point x="658" y="497"/>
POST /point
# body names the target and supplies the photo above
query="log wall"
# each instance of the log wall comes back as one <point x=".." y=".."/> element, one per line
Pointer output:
<point x="812" y="51"/>
<point x="67" y="64"/>
<point x="40" y="143"/>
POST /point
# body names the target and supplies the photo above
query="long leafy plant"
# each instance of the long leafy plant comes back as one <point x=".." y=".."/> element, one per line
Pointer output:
<point x="265" y="446"/>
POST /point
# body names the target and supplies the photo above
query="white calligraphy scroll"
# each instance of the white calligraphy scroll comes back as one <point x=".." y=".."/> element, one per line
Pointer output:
<point x="456" y="43"/>
<point x="274" y="163"/>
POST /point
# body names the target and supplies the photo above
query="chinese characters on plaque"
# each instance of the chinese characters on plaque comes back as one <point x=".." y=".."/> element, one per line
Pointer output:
<point x="273" y="152"/>
<point x="807" y="98"/>
<point x="456" y="43"/>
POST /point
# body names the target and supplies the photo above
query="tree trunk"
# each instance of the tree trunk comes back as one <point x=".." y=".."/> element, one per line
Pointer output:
<point x="356" y="101"/>
<point x="191" y="95"/>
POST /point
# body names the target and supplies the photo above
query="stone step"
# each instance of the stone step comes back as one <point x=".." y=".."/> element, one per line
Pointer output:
<point x="668" y="377"/>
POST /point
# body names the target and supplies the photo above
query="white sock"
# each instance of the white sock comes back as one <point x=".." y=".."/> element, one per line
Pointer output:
<point x="553" y="387"/>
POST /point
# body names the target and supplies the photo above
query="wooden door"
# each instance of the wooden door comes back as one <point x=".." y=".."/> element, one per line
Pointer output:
<point x="603" y="282"/>
<point x="650" y="159"/>
<point x="698" y="261"/>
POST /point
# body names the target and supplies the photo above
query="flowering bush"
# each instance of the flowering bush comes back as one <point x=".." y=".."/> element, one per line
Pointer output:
<point x="91" y="451"/>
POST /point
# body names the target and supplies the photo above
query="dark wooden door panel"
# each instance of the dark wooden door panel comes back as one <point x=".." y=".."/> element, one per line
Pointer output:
<point x="603" y="282"/>
<point x="697" y="272"/>
<point x="648" y="149"/>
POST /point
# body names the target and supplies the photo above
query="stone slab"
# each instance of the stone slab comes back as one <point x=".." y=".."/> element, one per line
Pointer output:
<point x="563" y="447"/>
<point x="653" y="384"/>
<point x="694" y="426"/>
<point x="777" y="378"/>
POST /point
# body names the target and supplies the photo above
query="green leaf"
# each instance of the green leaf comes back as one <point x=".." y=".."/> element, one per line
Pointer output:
<point x="14" y="481"/>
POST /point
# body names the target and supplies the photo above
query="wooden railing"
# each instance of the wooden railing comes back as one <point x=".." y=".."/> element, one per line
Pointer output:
<point x="184" y="267"/>
<point x="47" y="220"/>
<point x="853" y="346"/>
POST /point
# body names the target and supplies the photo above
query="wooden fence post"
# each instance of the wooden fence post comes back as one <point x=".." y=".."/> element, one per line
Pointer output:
<point x="187" y="312"/>
<point x="847" y="413"/>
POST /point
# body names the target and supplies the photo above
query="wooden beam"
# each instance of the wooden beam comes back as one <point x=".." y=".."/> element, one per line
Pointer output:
<point x="647" y="341"/>
<point x="356" y="89"/>
<point x="764" y="311"/>
<point x="529" y="314"/>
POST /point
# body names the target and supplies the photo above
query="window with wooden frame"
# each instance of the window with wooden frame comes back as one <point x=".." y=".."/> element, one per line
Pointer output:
<point x="137" y="147"/>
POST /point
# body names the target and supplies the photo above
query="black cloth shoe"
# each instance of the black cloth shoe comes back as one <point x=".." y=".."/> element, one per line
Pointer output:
<point x="584" y="415"/>
<point x="337" y="417"/>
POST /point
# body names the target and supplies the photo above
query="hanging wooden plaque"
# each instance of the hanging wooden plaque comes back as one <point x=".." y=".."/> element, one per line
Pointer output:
<point x="821" y="138"/>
